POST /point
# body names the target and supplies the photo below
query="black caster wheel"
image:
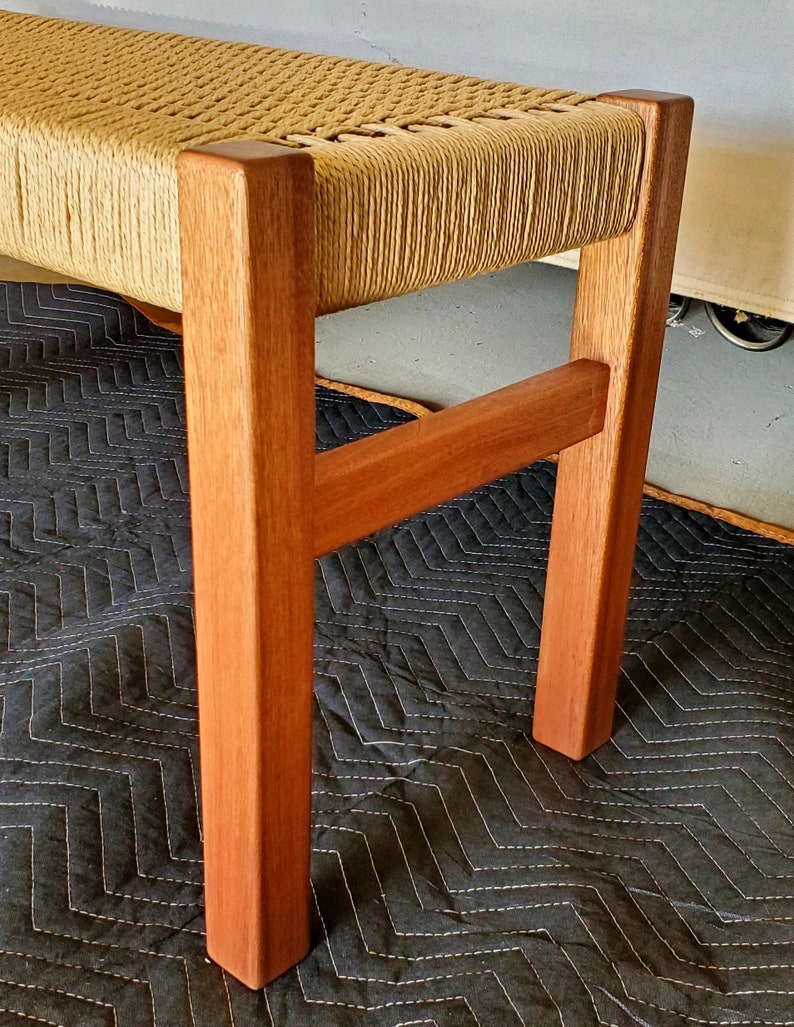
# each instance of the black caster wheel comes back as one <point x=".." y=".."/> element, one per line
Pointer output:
<point x="677" y="307"/>
<point x="750" y="331"/>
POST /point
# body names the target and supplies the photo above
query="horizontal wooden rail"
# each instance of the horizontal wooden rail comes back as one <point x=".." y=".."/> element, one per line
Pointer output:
<point x="378" y="481"/>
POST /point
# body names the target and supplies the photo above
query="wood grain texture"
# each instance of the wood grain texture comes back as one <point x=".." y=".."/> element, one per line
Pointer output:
<point x="619" y="318"/>
<point x="246" y="224"/>
<point x="171" y="320"/>
<point x="378" y="481"/>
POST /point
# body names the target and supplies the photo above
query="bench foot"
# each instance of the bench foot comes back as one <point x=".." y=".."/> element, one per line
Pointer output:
<point x="247" y="226"/>
<point x="619" y="318"/>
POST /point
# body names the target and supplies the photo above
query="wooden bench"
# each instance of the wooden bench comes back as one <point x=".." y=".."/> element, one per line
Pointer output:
<point x="253" y="189"/>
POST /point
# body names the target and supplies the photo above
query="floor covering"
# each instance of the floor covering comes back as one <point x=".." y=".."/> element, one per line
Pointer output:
<point x="461" y="873"/>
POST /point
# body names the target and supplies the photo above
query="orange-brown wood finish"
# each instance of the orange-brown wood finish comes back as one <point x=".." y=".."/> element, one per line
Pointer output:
<point x="163" y="318"/>
<point x="246" y="222"/>
<point x="380" y="480"/>
<point x="619" y="318"/>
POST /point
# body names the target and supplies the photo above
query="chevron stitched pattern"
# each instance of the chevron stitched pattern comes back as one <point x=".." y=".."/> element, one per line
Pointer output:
<point x="462" y="875"/>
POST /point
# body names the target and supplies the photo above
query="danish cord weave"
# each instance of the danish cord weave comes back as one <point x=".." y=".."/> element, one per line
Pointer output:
<point x="422" y="177"/>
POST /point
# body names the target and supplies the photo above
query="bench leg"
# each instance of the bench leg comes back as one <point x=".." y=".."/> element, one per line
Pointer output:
<point x="246" y="227"/>
<point x="619" y="318"/>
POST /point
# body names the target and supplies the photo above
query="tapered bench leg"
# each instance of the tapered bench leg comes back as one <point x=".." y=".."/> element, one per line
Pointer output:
<point x="246" y="227"/>
<point x="619" y="318"/>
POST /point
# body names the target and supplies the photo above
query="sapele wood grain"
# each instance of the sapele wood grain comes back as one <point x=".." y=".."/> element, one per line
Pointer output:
<point x="375" y="482"/>
<point x="247" y="240"/>
<point x="246" y="223"/>
<point x="619" y="318"/>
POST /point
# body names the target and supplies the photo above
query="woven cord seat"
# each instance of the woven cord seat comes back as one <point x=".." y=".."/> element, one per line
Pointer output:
<point x="254" y="188"/>
<point x="88" y="159"/>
